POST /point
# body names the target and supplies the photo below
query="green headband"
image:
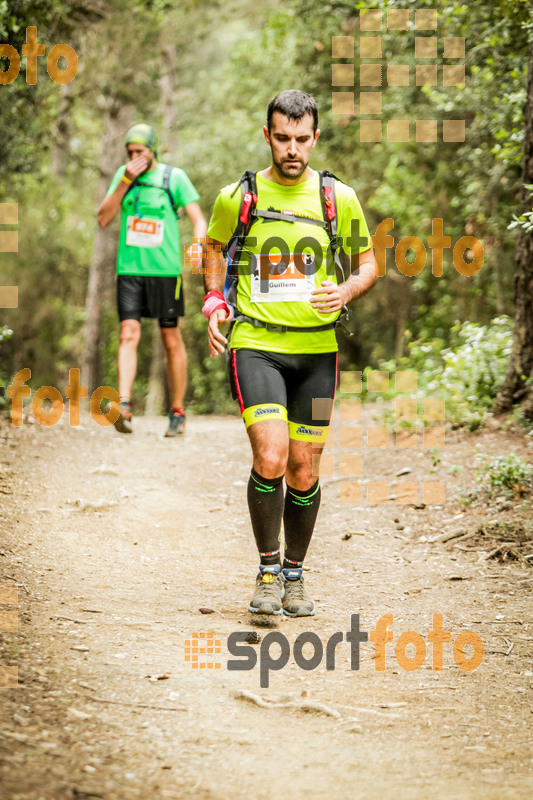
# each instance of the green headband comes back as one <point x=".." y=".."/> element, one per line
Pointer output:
<point x="142" y="134"/>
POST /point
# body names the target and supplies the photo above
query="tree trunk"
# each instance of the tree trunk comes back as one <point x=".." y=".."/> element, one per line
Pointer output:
<point x="102" y="267"/>
<point x="403" y="313"/>
<point x="168" y="95"/>
<point x="60" y="150"/>
<point x="158" y="398"/>
<point x="517" y="388"/>
<point x="158" y="394"/>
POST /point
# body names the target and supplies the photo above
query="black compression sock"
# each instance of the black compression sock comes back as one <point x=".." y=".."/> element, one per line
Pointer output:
<point x="299" y="517"/>
<point x="265" y="502"/>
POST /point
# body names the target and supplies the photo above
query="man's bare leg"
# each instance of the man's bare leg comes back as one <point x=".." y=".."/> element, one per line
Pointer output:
<point x="270" y="447"/>
<point x="130" y="333"/>
<point x="176" y="360"/>
<point x="299" y="472"/>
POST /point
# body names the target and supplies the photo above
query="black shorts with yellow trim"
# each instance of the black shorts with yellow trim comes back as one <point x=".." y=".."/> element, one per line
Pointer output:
<point x="298" y="389"/>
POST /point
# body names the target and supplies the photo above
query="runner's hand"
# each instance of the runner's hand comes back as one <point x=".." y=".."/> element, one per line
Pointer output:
<point x="136" y="167"/>
<point x="217" y="341"/>
<point x="328" y="298"/>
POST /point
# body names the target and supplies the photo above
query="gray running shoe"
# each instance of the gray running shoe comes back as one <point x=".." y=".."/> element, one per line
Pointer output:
<point x="296" y="601"/>
<point x="268" y="592"/>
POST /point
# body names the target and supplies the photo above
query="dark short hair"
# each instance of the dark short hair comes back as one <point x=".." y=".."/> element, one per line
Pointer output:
<point x="293" y="104"/>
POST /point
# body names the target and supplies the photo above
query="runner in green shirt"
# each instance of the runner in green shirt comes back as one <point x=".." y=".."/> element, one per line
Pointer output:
<point x="149" y="195"/>
<point x="282" y="345"/>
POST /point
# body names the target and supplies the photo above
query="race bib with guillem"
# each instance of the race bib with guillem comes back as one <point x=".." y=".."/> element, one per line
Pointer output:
<point x="283" y="278"/>
<point x="144" y="231"/>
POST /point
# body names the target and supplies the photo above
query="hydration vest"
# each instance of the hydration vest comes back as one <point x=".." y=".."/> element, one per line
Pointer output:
<point x="164" y="187"/>
<point x="249" y="213"/>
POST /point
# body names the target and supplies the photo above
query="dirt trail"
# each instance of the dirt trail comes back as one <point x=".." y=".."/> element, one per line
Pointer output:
<point x="115" y="543"/>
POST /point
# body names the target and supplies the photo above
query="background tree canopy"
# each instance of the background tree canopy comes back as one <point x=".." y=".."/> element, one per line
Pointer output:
<point x="202" y="73"/>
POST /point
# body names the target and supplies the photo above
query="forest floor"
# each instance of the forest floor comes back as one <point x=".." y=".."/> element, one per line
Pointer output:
<point x="111" y="545"/>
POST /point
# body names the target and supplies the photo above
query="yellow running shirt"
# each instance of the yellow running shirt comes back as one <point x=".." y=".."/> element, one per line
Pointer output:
<point x="283" y="261"/>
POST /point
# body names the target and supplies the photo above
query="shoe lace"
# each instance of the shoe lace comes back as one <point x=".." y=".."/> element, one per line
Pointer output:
<point x="296" y="588"/>
<point x="270" y="589"/>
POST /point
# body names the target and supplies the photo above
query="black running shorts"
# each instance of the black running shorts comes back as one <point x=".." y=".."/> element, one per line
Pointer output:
<point x="298" y="389"/>
<point x="139" y="296"/>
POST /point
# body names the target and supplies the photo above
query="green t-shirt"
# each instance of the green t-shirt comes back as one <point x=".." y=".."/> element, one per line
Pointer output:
<point x="149" y="237"/>
<point x="281" y="294"/>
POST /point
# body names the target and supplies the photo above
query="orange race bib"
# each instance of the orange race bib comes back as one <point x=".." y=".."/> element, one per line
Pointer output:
<point x="144" y="232"/>
<point x="277" y="278"/>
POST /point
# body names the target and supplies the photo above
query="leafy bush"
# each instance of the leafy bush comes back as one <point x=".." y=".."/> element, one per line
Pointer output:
<point x="510" y="474"/>
<point x="5" y="334"/>
<point x="474" y="371"/>
<point x="467" y="375"/>
<point x="524" y="221"/>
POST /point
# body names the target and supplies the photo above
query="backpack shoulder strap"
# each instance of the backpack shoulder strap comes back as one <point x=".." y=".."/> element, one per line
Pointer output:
<point x="329" y="211"/>
<point x="248" y="187"/>
<point x="327" y="199"/>
<point x="166" y="188"/>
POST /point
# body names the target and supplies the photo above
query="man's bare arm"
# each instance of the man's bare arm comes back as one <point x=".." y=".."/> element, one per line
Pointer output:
<point x="214" y="280"/>
<point x="215" y="265"/>
<point x="363" y="277"/>
<point x="111" y="204"/>
<point x="194" y="212"/>
<point x="193" y="253"/>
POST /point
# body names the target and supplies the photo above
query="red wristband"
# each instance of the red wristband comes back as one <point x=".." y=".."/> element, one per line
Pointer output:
<point x="214" y="293"/>
<point x="214" y="301"/>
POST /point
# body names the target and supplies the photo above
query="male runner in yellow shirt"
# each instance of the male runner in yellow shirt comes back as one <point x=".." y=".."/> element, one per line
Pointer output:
<point x="283" y="348"/>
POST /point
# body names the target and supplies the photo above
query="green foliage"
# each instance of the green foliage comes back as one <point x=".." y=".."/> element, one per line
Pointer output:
<point x="509" y="529"/>
<point x="467" y="375"/>
<point x="474" y="370"/>
<point x="519" y="418"/>
<point x="508" y="474"/>
<point x="524" y="221"/>
<point x="5" y="335"/>
<point x="415" y="182"/>
<point x="232" y="59"/>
